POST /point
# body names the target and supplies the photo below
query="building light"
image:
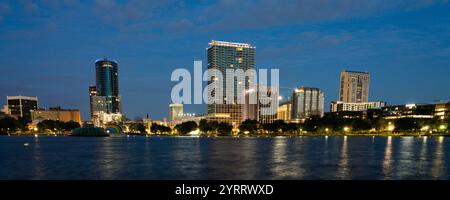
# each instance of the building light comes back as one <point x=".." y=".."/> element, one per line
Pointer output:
<point x="391" y="128"/>
<point x="346" y="129"/>
<point x="425" y="128"/>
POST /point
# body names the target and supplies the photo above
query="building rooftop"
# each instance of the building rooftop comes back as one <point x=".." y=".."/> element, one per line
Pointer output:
<point x="356" y="72"/>
<point x="230" y="44"/>
<point x="106" y="60"/>
<point x="21" y="97"/>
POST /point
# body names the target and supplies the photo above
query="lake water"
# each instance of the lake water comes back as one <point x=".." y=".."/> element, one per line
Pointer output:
<point x="224" y="158"/>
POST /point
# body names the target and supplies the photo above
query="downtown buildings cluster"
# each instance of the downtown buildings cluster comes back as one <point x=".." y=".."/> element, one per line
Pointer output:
<point x="302" y="104"/>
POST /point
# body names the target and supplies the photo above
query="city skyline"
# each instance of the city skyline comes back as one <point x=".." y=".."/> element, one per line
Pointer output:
<point x="409" y="53"/>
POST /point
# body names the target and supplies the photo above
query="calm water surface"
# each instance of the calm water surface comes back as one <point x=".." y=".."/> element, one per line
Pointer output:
<point x="225" y="158"/>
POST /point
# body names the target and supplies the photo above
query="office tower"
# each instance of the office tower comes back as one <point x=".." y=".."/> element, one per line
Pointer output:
<point x="176" y="111"/>
<point x="99" y="105"/>
<point x="92" y="94"/>
<point x="307" y="102"/>
<point x="264" y="109"/>
<point x="20" y="106"/>
<point x="107" y="79"/>
<point x="223" y="56"/>
<point x="354" y="87"/>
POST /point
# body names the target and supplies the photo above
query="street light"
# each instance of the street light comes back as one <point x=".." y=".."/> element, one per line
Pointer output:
<point x="346" y="129"/>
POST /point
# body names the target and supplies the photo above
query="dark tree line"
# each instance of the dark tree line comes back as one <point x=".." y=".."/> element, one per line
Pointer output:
<point x="138" y="128"/>
<point x="57" y="126"/>
<point x="160" y="129"/>
<point x="11" y="125"/>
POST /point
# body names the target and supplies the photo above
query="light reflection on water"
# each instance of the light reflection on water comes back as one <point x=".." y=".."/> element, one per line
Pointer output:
<point x="224" y="158"/>
<point x="387" y="161"/>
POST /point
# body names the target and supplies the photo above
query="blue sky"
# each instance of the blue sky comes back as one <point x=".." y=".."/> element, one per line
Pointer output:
<point x="47" y="48"/>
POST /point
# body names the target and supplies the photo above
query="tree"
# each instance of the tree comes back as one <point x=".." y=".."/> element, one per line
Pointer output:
<point x="208" y="127"/>
<point x="8" y="124"/>
<point x="406" y="124"/>
<point x="292" y="128"/>
<point x="156" y="128"/>
<point x="69" y="126"/>
<point x="138" y="127"/>
<point x="276" y="126"/>
<point x="248" y="125"/>
<point x="186" y="127"/>
<point x="224" y="128"/>
<point x="361" y="125"/>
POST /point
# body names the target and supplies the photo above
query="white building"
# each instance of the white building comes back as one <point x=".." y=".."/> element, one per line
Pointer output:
<point x="338" y="106"/>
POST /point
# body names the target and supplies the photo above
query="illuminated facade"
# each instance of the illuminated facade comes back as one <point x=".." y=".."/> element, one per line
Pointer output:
<point x="223" y="56"/>
<point x="264" y="109"/>
<point x="176" y="111"/>
<point x="104" y="98"/>
<point x="20" y="106"/>
<point x="107" y="83"/>
<point x="354" y="87"/>
<point x="102" y="119"/>
<point x="284" y="111"/>
<point x="57" y="114"/>
<point x="442" y="110"/>
<point x="339" y="106"/>
<point x="421" y="111"/>
<point x="307" y="102"/>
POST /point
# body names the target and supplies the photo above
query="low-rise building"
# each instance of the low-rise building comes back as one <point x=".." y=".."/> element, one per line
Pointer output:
<point x="284" y="111"/>
<point x="57" y="114"/>
<point x="339" y="106"/>
<point x="20" y="106"/>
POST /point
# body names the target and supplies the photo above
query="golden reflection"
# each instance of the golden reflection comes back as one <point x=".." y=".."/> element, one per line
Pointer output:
<point x="282" y="167"/>
<point x="423" y="155"/>
<point x="437" y="169"/>
<point x="37" y="160"/>
<point x="344" y="170"/>
<point x="387" y="162"/>
<point x="110" y="158"/>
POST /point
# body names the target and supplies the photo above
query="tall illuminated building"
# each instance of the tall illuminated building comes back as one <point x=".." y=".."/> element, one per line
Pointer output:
<point x="307" y="102"/>
<point x="354" y="87"/>
<point x="223" y="56"/>
<point x="107" y="83"/>
<point x="105" y="104"/>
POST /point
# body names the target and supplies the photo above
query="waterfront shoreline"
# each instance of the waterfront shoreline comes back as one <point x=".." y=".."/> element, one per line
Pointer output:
<point x="252" y="135"/>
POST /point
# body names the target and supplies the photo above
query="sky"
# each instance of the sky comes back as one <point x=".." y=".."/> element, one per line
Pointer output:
<point x="48" y="47"/>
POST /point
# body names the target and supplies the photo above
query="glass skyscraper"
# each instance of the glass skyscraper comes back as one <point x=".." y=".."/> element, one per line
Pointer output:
<point x="223" y="56"/>
<point x="107" y="84"/>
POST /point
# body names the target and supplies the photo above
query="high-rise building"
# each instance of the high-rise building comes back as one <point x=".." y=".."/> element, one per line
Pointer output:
<point x="307" y="102"/>
<point x="354" y="87"/>
<point x="176" y="110"/>
<point x="107" y="79"/>
<point x="264" y="109"/>
<point x="92" y="94"/>
<point x="20" y="106"/>
<point x="105" y="101"/>
<point x="223" y="56"/>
